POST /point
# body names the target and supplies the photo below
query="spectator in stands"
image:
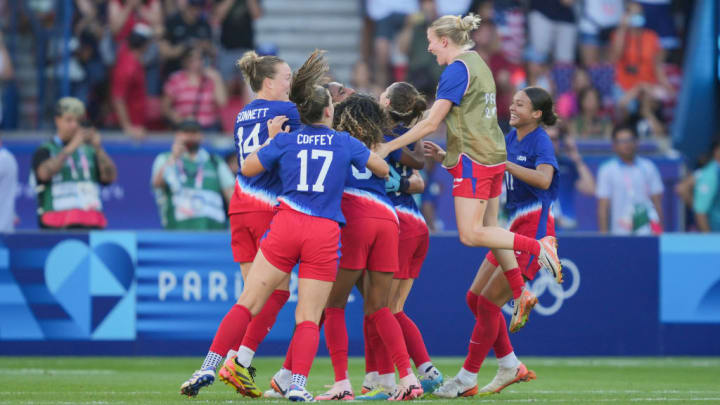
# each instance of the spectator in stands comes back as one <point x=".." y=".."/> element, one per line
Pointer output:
<point x="590" y="122"/>
<point x="128" y="89"/>
<point x="638" y="57"/>
<point x="124" y="14"/>
<point x="9" y="186"/>
<point x="68" y="171"/>
<point x="237" y="32"/>
<point x="706" y="193"/>
<point x="630" y="189"/>
<point x="192" y="186"/>
<point x="389" y="18"/>
<point x="90" y="29"/>
<point x="597" y="19"/>
<point x="196" y="92"/>
<point x="186" y="29"/>
<point x="647" y="118"/>
<point x="510" y="19"/>
<point x="423" y="71"/>
<point x="567" y="104"/>
<point x="551" y="25"/>
<point x="575" y="177"/>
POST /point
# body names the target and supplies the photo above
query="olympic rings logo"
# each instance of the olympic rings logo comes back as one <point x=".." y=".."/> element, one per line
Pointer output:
<point x="544" y="283"/>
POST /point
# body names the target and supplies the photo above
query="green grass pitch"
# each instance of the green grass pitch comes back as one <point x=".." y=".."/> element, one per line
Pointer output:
<point x="155" y="380"/>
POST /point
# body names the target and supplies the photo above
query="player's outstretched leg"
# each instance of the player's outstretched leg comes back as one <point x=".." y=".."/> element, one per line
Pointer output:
<point x="548" y="258"/>
<point x="521" y="310"/>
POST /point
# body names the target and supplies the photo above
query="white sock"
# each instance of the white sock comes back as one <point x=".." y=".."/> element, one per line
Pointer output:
<point x="466" y="377"/>
<point x="283" y="377"/>
<point x="245" y="356"/>
<point x="386" y="380"/>
<point x="231" y="354"/>
<point x="299" y="380"/>
<point x="370" y="379"/>
<point x="409" y="380"/>
<point x="509" y="361"/>
<point x="343" y="385"/>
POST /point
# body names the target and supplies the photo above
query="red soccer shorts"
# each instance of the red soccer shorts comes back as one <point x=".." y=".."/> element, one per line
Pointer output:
<point x="314" y="242"/>
<point x="246" y="230"/>
<point x="412" y="254"/>
<point x="473" y="180"/>
<point x="370" y="243"/>
<point x="529" y="224"/>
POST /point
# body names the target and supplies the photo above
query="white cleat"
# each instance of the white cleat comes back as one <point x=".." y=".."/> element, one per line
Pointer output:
<point x="507" y="376"/>
<point x="297" y="393"/>
<point x="549" y="259"/>
<point x="199" y="379"/>
<point x="454" y="388"/>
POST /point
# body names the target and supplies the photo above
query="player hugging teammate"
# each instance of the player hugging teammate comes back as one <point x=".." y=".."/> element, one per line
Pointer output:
<point x="308" y="181"/>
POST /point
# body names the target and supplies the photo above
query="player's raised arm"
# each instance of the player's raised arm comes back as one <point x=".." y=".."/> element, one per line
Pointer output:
<point x="378" y="165"/>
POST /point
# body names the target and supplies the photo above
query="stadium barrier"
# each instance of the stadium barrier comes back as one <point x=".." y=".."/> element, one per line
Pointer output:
<point x="131" y="194"/>
<point x="132" y="293"/>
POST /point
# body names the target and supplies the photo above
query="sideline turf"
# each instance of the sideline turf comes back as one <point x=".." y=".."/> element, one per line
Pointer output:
<point x="156" y="380"/>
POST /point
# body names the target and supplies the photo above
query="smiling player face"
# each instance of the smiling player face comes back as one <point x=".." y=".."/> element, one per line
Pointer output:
<point x="521" y="111"/>
<point x="280" y="84"/>
<point x="437" y="46"/>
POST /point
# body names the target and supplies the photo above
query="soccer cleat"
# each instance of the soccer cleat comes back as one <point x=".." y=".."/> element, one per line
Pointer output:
<point x="453" y="388"/>
<point x="432" y="381"/>
<point x="240" y="378"/>
<point x="380" y="393"/>
<point x="297" y="393"/>
<point x="336" y="395"/>
<point x="406" y="393"/>
<point x="521" y="310"/>
<point x="507" y="376"/>
<point x="199" y="379"/>
<point x="548" y="258"/>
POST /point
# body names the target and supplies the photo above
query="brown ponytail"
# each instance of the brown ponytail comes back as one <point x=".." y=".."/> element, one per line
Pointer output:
<point x="256" y="68"/>
<point x="542" y="100"/>
<point x="406" y="103"/>
<point x="306" y="92"/>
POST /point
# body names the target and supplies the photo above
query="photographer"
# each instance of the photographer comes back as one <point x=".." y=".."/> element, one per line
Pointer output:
<point x="192" y="186"/>
<point x="638" y="56"/>
<point x="68" y="171"/>
<point x="196" y="92"/>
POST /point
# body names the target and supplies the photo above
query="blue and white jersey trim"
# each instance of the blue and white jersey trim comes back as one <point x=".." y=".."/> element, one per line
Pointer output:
<point x="257" y="193"/>
<point x="297" y="207"/>
<point x="523" y="211"/>
<point x="372" y="198"/>
<point x="410" y="212"/>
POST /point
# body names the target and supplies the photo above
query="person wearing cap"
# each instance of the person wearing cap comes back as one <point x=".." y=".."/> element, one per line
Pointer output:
<point x="192" y="186"/>
<point x="68" y="170"/>
<point x="128" y="88"/>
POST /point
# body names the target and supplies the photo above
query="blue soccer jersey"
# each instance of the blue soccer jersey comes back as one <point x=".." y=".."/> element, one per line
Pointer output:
<point x="313" y="163"/>
<point x="365" y="196"/>
<point x="533" y="150"/>
<point x="258" y="192"/>
<point x="407" y="210"/>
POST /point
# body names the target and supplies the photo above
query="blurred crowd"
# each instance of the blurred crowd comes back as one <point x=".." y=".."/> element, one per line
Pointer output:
<point x="139" y="65"/>
<point x="605" y="61"/>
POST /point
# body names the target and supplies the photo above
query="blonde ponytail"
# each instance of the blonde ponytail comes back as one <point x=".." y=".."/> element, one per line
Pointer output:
<point x="457" y="28"/>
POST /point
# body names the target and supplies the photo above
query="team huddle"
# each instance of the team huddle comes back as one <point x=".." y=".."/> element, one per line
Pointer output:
<point x="326" y="182"/>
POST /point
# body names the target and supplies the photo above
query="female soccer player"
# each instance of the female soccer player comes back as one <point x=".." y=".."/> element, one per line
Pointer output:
<point x="312" y="163"/>
<point x="476" y="153"/>
<point x="531" y="182"/>
<point x="251" y="210"/>
<point x="405" y="105"/>
<point x="369" y="242"/>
